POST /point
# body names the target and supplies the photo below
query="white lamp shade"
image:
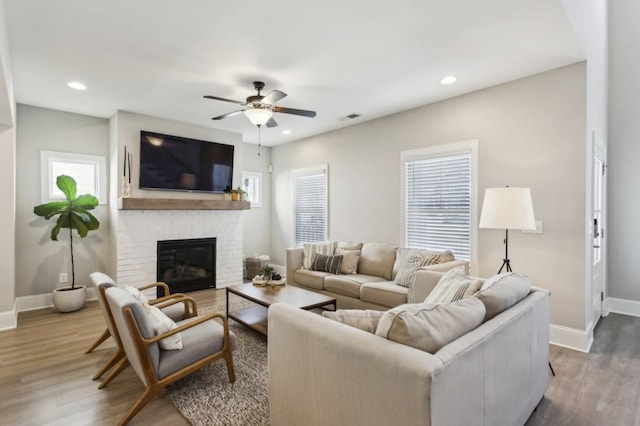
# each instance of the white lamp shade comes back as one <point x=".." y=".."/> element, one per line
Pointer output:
<point x="507" y="208"/>
<point x="258" y="116"/>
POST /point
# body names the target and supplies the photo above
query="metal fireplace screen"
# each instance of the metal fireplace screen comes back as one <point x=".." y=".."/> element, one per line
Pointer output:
<point x="187" y="265"/>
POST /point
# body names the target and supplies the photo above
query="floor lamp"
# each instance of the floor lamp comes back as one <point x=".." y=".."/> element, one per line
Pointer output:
<point x="507" y="208"/>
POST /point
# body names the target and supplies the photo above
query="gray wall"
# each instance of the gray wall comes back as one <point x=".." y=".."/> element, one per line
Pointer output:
<point x="624" y="150"/>
<point x="39" y="261"/>
<point x="531" y="132"/>
<point x="256" y="223"/>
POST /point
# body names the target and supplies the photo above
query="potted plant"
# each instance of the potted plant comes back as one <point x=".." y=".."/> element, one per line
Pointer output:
<point x="266" y="272"/>
<point x="236" y="194"/>
<point x="72" y="213"/>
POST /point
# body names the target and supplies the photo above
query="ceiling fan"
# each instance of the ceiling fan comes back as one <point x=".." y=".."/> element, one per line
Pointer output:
<point x="260" y="108"/>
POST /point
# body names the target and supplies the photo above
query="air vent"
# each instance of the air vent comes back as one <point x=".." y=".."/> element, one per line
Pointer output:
<point x="350" y="117"/>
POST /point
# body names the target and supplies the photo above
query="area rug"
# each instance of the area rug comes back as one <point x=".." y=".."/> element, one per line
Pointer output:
<point x="207" y="398"/>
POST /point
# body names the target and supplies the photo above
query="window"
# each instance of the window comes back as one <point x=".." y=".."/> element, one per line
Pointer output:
<point x="89" y="172"/>
<point x="309" y="205"/>
<point x="252" y="185"/>
<point x="439" y="198"/>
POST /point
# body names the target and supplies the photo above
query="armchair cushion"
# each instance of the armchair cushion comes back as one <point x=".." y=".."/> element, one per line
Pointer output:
<point x="198" y="342"/>
<point x="161" y="324"/>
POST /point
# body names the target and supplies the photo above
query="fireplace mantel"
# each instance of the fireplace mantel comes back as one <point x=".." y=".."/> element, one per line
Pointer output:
<point x="130" y="203"/>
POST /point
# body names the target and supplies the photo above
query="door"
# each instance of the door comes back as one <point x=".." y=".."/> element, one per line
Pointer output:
<point x="598" y="218"/>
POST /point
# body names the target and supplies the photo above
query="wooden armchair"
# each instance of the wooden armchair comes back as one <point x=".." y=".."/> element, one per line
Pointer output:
<point x="204" y="340"/>
<point x="175" y="306"/>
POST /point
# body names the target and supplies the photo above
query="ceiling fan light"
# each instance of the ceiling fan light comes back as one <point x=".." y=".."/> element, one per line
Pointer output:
<point x="258" y="116"/>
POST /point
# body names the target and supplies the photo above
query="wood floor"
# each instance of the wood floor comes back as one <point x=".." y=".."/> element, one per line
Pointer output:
<point x="45" y="376"/>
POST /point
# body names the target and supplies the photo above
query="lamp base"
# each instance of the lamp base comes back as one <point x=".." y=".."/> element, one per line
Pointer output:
<point x="507" y="264"/>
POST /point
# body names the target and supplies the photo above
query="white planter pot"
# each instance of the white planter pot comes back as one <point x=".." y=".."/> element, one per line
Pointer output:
<point x="67" y="300"/>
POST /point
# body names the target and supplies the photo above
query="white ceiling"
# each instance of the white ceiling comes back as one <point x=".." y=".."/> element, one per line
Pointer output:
<point x="159" y="57"/>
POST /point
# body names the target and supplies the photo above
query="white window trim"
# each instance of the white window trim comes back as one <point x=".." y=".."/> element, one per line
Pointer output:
<point x="47" y="178"/>
<point x="302" y="172"/>
<point x="464" y="147"/>
<point x="258" y="177"/>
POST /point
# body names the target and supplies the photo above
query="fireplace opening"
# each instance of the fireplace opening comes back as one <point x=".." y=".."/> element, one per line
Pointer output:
<point x="186" y="265"/>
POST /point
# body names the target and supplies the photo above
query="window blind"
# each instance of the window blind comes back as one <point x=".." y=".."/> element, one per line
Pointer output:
<point x="438" y="203"/>
<point x="310" y="207"/>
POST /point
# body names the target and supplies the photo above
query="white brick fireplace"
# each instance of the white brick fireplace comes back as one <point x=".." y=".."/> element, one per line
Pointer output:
<point x="138" y="232"/>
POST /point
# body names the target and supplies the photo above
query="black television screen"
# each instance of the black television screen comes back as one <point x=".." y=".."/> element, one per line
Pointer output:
<point x="181" y="164"/>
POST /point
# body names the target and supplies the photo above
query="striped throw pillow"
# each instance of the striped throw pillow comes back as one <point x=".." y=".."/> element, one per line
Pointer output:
<point x="454" y="285"/>
<point x="324" y="263"/>
<point x="445" y="256"/>
<point x="326" y="248"/>
<point x="408" y="269"/>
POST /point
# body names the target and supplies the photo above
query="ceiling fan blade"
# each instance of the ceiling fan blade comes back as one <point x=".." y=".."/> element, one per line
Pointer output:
<point x="215" y="98"/>
<point x="272" y="123"/>
<point x="229" y="114"/>
<point x="302" y="112"/>
<point x="273" y="96"/>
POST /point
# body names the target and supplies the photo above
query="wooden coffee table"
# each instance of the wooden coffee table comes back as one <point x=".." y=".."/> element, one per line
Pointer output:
<point x="256" y="317"/>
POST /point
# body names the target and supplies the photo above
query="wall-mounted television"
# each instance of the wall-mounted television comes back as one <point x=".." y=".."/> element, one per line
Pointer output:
<point x="175" y="163"/>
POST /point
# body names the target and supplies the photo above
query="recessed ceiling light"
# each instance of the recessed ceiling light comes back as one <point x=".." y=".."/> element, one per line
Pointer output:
<point x="286" y="132"/>
<point x="76" y="85"/>
<point x="448" y="80"/>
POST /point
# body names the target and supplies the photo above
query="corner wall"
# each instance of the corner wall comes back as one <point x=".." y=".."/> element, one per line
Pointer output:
<point x="39" y="261"/>
<point x="531" y="133"/>
<point x="256" y="222"/>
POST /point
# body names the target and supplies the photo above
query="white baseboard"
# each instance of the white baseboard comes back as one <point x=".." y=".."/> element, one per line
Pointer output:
<point x="572" y="338"/>
<point x="9" y="319"/>
<point x="41" y="301"/>
<point x="622" y="306"/>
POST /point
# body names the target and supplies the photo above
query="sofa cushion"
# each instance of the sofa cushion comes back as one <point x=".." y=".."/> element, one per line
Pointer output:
<point x="377" y="259"/>
<point x="429" y="327"/>
<point x="348" y="285"/>
<point x="311" y="279"/>
<point x="385" y="293"/>
<point x="349" y="245"/>
<point x="408" y="269"/>
<point x="366" y="320"/>
<point x="503" y="294"/>
<point x="324" y="263"/>
<point x="327" y="247"/>
<point x="454" y="285"/>
<point x="349" y="264"/>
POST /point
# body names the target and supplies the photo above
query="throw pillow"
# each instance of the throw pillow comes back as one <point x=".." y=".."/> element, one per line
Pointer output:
<point x="408" y="269"/>
<point x="366" y="320"/>
<point x="429" y="327"/>
<point x="453" y="285"/>
<point x="161" y="324"/>
<point x="327" y="248"/>
<point x="350" y="259"/>
<point x="137" y="294"/>
<point x="324" y="263"/>
<point x="445" y="256"/>
<point x="503" y="294"/>
<point x="489" y="282"/>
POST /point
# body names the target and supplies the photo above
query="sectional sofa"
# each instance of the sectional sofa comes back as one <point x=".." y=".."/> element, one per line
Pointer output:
<point x="373" y="286"/>
<point x="326" y="372"/>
